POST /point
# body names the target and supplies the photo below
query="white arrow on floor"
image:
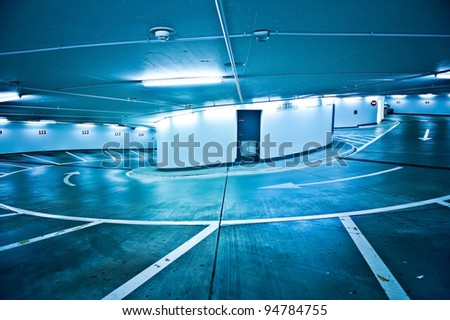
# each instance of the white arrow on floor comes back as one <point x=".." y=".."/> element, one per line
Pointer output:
<point x="291" y="185"/>
<point x="67" y="177"/>
<point x="425" y="136"/>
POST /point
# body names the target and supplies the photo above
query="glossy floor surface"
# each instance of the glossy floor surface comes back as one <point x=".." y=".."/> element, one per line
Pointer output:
<point x="374" y="225"/>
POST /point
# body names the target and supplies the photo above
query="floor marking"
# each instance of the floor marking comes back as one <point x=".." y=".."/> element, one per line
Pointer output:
<point x="49" y="235"/>
<point x="14" y="165"/>
<point x="397" y="123"/>
<point x="426" y="136"/>
<point x="75" y="156"/>
<point x="232" y="222"/>
<point x="337" y="215"/>
<point x="109" y="154"/>
<point x="111" y="221"/>
<point x="43" y="160"/>
<point x="8" y="214"/>
<point x="290" y="185"/>
<point x="358" y="139"/>
<point x="443" y="203"/>
<point x="11" y="173"/>
<point x="384" y="276"/>
<point x="67" y="177"/>
<point x="160" y="265"/>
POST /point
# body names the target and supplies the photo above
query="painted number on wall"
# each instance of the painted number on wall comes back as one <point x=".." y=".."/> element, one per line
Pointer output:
<point x="85" y="132"/>
<point x="140" y="134"/>
<point x="117" y="134"/>
<point x="41" y="132"/>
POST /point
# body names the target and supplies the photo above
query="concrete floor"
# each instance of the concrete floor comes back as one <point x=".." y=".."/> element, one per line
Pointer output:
<point x="375" y="226"/>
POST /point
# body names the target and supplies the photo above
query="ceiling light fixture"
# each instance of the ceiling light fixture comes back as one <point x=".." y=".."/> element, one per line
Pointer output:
<point x="162" y="34"/>
<point x="262" y="35"/>
<point x="8" y="96"/>
<point x="181" y="81"/>
<point x="443" y="75"/>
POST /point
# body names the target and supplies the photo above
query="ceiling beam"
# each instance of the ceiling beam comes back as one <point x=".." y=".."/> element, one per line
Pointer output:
<point x="226" y="36"/>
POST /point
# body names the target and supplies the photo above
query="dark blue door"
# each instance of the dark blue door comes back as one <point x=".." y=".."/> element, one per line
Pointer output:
<point x="249" y="135"/>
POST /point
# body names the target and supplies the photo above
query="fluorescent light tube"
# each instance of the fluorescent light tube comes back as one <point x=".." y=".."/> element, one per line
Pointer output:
<point x="8" y="96"/>
<point x="181" y="81"/>
<point x="444" y="75"/>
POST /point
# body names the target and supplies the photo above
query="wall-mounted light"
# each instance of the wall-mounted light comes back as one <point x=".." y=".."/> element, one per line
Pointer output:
<point x="86" y="124"/>
<point x="427" y="96"/>
<point x="181" y="81"/>
<point x="398" y="96"/>
<point x="3" y="120"/>
<point x="141" y="128"/>
<point x="34" y="123"/>
<point x="8" y="96"/>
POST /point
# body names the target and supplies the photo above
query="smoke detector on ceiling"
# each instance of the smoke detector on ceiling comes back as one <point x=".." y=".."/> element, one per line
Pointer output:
<point x="162" y="34"/>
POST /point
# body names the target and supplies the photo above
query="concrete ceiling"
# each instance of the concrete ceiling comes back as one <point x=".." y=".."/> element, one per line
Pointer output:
<point x="84" y="60"/>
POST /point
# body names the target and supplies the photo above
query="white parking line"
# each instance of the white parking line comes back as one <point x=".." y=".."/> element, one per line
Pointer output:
<point x="378" y="137"/>
<point x="75" y="156"/>
<point x="232" y="222"/>
<point x="11" y="173"/>
<point x="8" y="215"/>
<point x="47" y="236"/>
<point x="137" y="281"/>
<point x="43" y="160"/>
<point x="14" y="165"/>
<point x="358" y="139"/>
<point x="443" y="203"/>
<point x="384" y="276"/>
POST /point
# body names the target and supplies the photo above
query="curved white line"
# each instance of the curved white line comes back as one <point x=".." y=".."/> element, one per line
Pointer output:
<point x="378" y="137"/>
<point x="233" y="222"/>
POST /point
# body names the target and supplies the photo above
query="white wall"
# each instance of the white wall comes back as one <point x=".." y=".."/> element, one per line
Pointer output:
<point x="28" y="137"/>
<point x="424" y="104"/>
<point x="304" y="126"/>
<point x="214" y="132"/>
<point x="345" y="108"/>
